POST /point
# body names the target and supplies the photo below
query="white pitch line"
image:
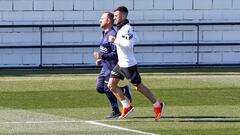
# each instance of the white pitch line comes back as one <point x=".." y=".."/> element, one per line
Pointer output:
<point x="79" y="121"/>
<point x="40" y="122"/>
<point x="119" y="128"/>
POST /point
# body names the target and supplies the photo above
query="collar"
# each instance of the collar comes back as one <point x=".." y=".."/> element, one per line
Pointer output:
<point x="121" y="24"/>
<point x="107" y="31"/>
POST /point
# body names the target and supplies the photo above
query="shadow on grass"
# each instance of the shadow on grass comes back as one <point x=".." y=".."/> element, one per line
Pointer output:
<point x="192" y="118"/>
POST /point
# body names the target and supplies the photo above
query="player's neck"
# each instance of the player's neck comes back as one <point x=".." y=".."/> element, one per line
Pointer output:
<point x="107" y="29"/>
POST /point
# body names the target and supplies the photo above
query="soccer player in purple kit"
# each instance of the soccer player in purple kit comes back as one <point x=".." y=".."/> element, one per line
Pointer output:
<point x="107" y="57"/>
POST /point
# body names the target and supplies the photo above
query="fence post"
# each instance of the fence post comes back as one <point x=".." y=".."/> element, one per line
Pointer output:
<point x="41" y="43"/>
<point x="197" y="63"/>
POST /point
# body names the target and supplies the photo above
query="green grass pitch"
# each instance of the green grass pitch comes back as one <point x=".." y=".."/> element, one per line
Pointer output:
<point x="198" y="102"/>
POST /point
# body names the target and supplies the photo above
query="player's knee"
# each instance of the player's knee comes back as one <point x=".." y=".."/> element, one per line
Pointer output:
<point x="138" y="86"/>
<point x="112" y="86"/>
<point x="136" y="83"/>
<point x="100" y="90"/>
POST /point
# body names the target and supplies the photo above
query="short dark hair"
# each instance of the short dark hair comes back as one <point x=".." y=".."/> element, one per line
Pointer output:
<point x="110" y="16"/>
<point x="122" y="9"/>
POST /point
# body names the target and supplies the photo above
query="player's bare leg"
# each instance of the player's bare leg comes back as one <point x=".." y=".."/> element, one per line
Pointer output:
<point x="113" y="86"/>
<point x="127" y="107"/>
<point x="146" y="92"/>
<point x="158" y="105"/>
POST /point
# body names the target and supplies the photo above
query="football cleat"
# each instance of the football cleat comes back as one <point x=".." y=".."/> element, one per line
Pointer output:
<point x="159" y="111"/>
<point x="126" y="111"/>
<point x="113" y="115"/>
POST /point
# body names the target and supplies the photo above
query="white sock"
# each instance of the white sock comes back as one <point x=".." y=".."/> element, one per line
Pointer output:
<point x="156" y="104"/>
<point x="124" y="103"/>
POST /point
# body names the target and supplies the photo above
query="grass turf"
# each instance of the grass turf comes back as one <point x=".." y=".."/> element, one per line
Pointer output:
<point x="195" y="102"/>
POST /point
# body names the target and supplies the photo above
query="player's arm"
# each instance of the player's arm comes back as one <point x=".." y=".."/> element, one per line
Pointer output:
<point x="97" y="55"/>
<point x="112" y="55"/>
<point x="127" y="38"/>
<point x="107" y="56"/>
<point x="98" y="62"/>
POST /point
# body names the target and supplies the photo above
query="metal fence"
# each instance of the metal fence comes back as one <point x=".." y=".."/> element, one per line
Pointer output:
<point x="197" y="44"/>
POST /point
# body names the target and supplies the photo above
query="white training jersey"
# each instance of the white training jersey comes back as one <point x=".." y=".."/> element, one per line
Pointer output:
<point x="125" y="40"/>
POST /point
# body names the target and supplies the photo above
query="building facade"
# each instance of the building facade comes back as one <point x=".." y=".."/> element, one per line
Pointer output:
<point x="161" y="45"/>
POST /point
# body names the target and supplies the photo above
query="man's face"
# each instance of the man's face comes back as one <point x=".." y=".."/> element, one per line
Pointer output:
<point x="104" y="21"/>
<point x="118" y="18"/>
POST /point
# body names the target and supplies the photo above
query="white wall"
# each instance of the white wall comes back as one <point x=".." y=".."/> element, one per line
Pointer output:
<point x="89" y="11"/>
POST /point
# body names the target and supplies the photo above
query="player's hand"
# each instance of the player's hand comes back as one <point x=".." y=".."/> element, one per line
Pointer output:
<point x="97" y="55"/>
<point x="111" y="39"/>
<point x="98" y="62"/>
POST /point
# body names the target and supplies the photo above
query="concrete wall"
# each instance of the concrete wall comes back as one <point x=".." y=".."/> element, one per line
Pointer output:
<point x="89" y="11"/>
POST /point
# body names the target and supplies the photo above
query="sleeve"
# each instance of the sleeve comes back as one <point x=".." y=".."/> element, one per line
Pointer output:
<point x="126" y="38"/>
<point x="112" y="55"/>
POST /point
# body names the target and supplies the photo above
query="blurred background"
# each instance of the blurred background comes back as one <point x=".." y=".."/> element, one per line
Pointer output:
<point x="64" y="33"/>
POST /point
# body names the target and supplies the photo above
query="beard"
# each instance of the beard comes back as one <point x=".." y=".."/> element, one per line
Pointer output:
<point x="103" y="26"/>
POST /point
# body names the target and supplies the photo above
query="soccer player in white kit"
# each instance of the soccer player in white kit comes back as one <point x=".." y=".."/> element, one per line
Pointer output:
<point x="127" y="65"/>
